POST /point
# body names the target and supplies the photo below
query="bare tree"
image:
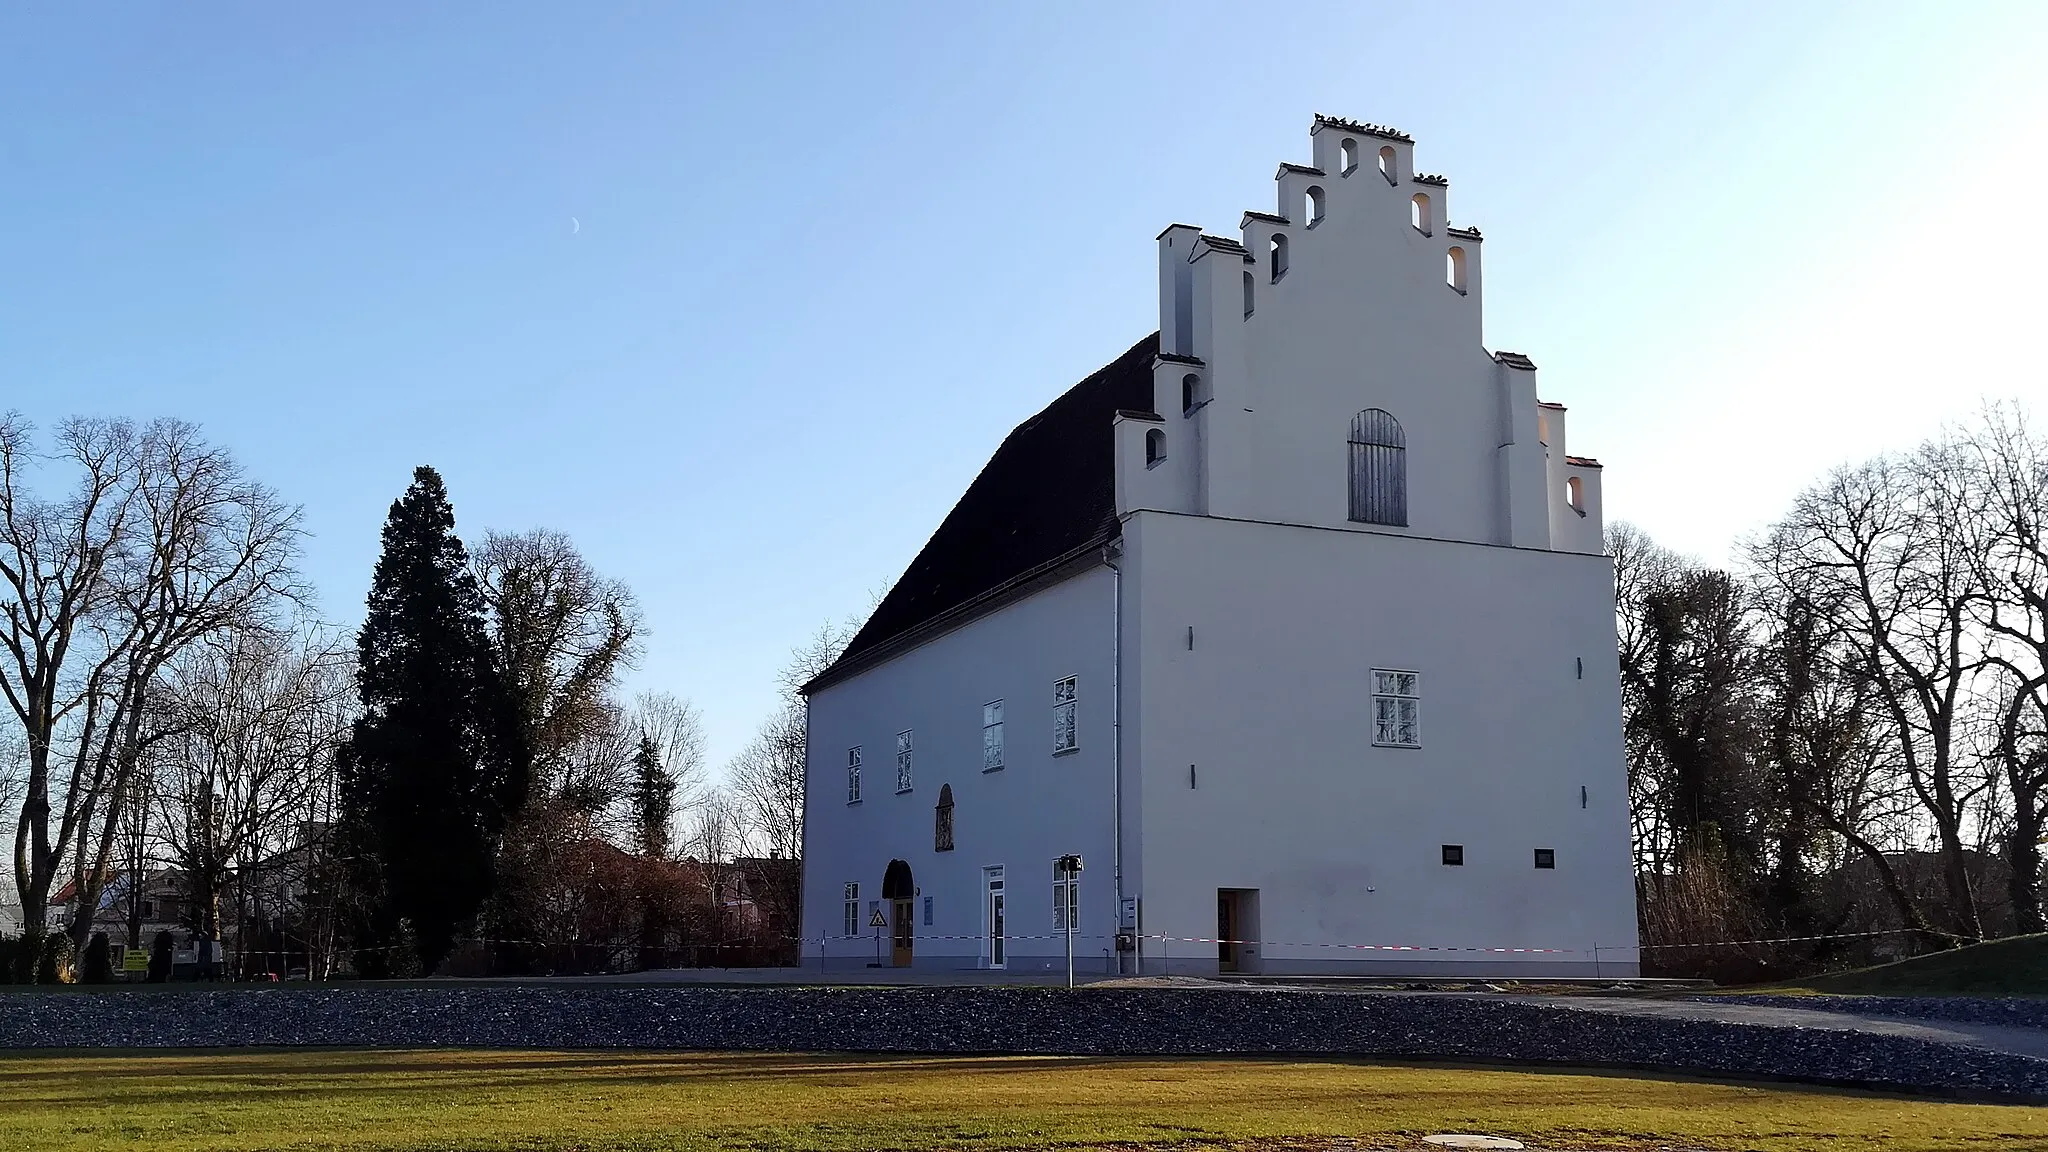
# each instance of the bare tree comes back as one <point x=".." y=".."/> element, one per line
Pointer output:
<point x="260" y="717"/>
<point x="1887" y="543"/>
<point x="563" y="636"/>
<point x="160" y="541"/>
<point x="2011" y="468"/>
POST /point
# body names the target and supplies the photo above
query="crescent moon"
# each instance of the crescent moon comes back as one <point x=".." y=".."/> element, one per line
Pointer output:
<point x="574" y="227"/>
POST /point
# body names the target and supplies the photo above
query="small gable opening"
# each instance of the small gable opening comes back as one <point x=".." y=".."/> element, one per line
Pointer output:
<point x="1278" y="249"/>
<point x="1419" y="215"/>
<point x="1155" y="448"/>
<point x="1348" y="153"/>
<point x="1387" y="163"/>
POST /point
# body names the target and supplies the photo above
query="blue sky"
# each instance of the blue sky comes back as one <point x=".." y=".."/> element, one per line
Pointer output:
<point x="828" y="255"/>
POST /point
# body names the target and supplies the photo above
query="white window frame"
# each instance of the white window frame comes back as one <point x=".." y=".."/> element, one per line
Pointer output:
<point x="850" y="921"/>
<point x="1399" y="699"/>
<point x="1066" y="900"/>
<point x="1066" y="730"/>
<point x="853" y="775"/>
<point x="992" y="736"/>
<point x="904" y="743"/>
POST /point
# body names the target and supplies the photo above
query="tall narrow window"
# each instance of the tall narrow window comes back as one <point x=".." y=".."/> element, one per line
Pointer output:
<point x="1247" y="294"/>
<point x="1388" y="161"/>
<point x="1155" y="448"/>
<point x="1347" y="154"/>
<point x="1396" y="709"/>
<point x="1419" y="214"/>
<point x="1314" y="206"/>
<point x="1454" y="268"/>
<point x="1278" y="249"/>
<point x="853" y="775"/>
<point x="942" y="821"/>
<point x="1379" y="469"/>
<point x="1190" y="392"/>
<point x="1575" y="494"/>
<point x="849" y="922"/>
<point x="991" y="735"/>
<point x="1063" y="735"/>
<point x="1066" y="900"/>
<point x="903" y="761"/>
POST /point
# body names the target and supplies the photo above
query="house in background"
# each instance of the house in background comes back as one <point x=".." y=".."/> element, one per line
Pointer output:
<point x="1292" y="621"/>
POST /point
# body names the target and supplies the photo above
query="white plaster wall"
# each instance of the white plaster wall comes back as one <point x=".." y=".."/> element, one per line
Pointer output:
<point x="1343" y="839"/>
<point x="1036" y="808"/>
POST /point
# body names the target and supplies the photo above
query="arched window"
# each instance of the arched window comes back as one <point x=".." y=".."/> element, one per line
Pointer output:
<point x="1387" y="163"/>
<point x="1348" y="153"/>
<point x="1190" y="392"/>
<point x="1419" y="213"/>
<point x="1454" y="268"/>
<point x="1155" y="448"/>
<point x="1278" y="252"/>
<point x="1314" y="206"/>
<point x="1379" y="469"/>
<point x="942" y="821"/>
<point x="1247" y="295"/>
<point x="1575" y="494"/>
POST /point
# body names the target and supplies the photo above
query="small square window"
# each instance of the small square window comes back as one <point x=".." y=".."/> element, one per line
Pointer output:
<point x="1454" y="855"/>
<point x="1546" y="857"/>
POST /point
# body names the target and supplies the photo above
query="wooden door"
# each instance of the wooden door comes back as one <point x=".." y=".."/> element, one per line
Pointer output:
<point x="899" y="950"/>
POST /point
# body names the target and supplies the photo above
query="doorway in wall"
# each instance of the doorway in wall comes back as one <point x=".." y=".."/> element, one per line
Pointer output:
<point x="997" y="951"/>
<point x="1237" y="928"/>
<point x="901" y="893"/>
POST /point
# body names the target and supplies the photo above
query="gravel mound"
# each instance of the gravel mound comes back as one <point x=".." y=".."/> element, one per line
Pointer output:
<point x="1094" y="1021"/>
<point x="2010" y="1011"/>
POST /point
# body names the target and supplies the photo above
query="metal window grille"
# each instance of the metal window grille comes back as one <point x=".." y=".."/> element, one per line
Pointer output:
<point x="903" y="761"/>
<point x="1379" y="469"/>
<point x="853" y="774"/>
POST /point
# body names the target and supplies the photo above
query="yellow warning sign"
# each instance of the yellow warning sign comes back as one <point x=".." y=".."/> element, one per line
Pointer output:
<point x="135" y="960"/>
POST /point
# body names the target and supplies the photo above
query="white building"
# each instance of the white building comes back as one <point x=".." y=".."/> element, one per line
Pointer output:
<point x="1293" y="621"/>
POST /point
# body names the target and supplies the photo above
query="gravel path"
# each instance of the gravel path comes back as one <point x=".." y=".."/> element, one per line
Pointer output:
<point x="1725" y="1039"/>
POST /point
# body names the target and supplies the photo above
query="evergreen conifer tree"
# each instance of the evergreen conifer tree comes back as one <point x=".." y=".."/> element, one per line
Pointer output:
<point x="432" y="771"/>
<point x="653" y="800"/>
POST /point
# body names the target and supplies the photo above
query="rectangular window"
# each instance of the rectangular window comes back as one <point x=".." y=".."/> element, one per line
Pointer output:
<point x="903" y="761"/>
<point x="851" y="925"/>
<point x="1066" y="902"/>
<point x="927" y="911"/>
<point x="1546" y="857"/>
<point x="1063" y="737"/>
<point x="853" y="775"/>
<point x="1454" y="855"/>
<point x="1396" y="709"/>
<point x="991" y="735"/>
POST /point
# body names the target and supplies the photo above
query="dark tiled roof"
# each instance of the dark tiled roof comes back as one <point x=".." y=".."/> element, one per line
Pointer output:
<point x="1431" y="178"/>
<point x="1582" y="461"/>
<point x="1268" y="217"/>
<point x="1362" y="128"/>
<point x="1515" y="360"/>
<point x="1223" y="244"/>
<point x="1049" y="491"/>
<point x="1135" y="414"/>
<point x="1177" y="358"/>
<point x="1464" y="233"/>
<point x="1304" y="169"/>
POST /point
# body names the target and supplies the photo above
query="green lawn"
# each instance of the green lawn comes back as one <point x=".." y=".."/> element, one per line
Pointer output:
<point x="203" y="1101"/>
<point x="2014" y="966"/>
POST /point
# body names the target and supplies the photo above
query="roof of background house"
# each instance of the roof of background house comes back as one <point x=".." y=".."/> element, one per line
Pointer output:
<point x="1047" y="493"/>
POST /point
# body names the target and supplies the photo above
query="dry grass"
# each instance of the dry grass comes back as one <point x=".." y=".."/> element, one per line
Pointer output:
<point x="205" y="1101"/>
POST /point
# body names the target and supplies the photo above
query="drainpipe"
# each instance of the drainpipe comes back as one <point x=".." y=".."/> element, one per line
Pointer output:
<point x="1110" y="556"/>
